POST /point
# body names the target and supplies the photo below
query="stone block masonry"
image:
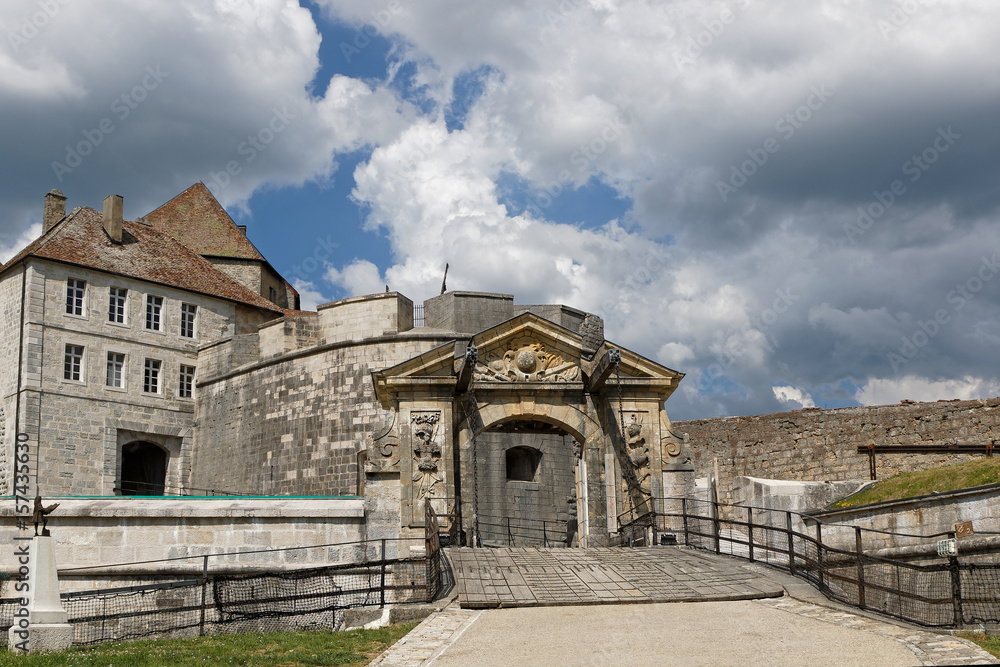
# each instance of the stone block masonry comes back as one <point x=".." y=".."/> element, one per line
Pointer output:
<point x="822" y="445"/>
<point x="295" y="424"/>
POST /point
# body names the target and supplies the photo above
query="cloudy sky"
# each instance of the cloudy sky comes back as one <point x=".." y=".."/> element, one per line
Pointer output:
<point x="792" y="202"/>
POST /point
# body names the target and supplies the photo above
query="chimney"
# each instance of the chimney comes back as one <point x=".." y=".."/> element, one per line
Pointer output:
<point x="54" y="210"/>
<point x="113" y="217"/>
<point x="242" y="228"/>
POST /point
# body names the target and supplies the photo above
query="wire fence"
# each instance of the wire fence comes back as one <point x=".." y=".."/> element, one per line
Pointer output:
<point x="947" y="591"/>
<point x="291" y="599"/>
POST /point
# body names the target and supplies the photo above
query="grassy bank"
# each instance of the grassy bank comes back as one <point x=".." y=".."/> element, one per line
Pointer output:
<point x="989" y="642"/>
<point x="284" y="649"/>
<point x="911" y="484"/>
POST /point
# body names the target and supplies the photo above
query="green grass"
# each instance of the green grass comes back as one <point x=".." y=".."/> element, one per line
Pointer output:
<point x="911" y="484"/>
<point x="990" y="643"/>
<point x="280" y="649"/>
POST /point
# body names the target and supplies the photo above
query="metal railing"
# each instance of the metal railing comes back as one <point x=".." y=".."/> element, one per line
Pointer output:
<point x="133" y="488"/>
<point x="949" y="591"/>
<point x="184" y="602"/>
<point x="524" y="532"/>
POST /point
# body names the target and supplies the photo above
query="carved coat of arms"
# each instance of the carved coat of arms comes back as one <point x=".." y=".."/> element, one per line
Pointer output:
<point x="525" y="360"/>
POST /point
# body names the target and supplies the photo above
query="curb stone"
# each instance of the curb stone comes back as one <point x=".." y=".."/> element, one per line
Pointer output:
<point x="930" y="647"/>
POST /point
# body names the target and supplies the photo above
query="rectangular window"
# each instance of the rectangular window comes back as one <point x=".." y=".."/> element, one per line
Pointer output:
<point x="273" y="294"/>
<point x="188" y="313"/>
<point x="116" y="305"/>
<point x="74" y="296"/>
<point x="116" y="364"/>
<point x="186" y="387"/>
<point x="154" y="311"/>
<point x="73" y="362"/>
<point x="151" y="377"/>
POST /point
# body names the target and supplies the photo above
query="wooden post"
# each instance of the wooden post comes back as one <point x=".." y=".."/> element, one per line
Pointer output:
<point x="791" y="544"/>
<point x="382" y="574"/>
<point x="684" y="517"/>
<point x="861" y="567"/>
<point x="819" y="553"/>
<point x="204" y="587"/>
<point x="956" y="590"/>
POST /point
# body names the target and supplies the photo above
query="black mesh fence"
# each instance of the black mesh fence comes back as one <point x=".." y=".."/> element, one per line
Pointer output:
<point x="945" y="591"/>
<point x="259" y="601"/>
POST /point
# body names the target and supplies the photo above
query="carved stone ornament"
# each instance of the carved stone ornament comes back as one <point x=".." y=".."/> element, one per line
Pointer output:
<point x="638" y="452"/>
<point x="383" y="447"/>
<point x="525" y="360"/>
<point x="674" y="447"/>
<point x="427" y="477"/>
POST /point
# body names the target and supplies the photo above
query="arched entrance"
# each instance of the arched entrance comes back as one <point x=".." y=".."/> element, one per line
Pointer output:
<point x="484" y="406"/>
<point x="527" y="485"/>
<point x="144" y="469"/>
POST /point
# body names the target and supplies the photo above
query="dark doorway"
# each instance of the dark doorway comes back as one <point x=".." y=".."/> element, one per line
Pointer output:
<point x="526" y="485"/>
<point x="144" y="469"/>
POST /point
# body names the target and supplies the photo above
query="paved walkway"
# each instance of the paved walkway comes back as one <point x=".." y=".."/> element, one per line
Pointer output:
<point x="510" y="577"/>
<point x="773" y="631"/>
<point x="777" y="631"/>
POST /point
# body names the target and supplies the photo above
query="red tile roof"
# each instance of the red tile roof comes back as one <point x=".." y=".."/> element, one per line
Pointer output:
<point x="196" y="219"/>
<point x="146" y="254"/>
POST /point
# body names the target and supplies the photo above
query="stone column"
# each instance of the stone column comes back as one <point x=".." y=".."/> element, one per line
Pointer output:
<point x="48" y="627"/>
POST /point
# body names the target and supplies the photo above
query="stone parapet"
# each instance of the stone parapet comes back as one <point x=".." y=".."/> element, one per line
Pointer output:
<point x="363" y="317"/>
<point x="124" y="534"/>
<point x="822" y="445"/>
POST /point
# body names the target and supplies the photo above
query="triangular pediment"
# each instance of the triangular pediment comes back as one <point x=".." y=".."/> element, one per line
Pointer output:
<point x="528" y="348"/>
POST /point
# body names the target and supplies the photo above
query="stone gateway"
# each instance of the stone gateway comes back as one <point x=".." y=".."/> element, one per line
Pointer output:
<point x="164" y="356"/>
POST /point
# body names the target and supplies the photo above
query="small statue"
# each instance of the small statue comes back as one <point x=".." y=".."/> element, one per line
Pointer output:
<point x="40" y="514"/>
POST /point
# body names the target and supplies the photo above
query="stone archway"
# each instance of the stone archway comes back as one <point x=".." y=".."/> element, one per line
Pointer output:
<point x="564" y="414"/>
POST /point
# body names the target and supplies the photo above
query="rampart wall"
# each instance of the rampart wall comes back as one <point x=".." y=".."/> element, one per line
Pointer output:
<point x="822" y="445"/>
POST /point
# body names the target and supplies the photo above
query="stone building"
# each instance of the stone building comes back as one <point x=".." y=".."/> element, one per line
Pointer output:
<point x="166" y="356"/>
<point x="103" y="319"/>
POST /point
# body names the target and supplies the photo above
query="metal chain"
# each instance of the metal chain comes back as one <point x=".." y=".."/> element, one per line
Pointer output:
<point x="630" y="478"/>
<point x="471" y="357"/>
<point x="475" y="467"/>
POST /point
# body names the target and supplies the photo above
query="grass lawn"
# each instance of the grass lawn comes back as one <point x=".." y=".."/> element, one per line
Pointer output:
<point x="989" y="642"/>
<point x="284" y="649"/>
<point x="946" y="478"/>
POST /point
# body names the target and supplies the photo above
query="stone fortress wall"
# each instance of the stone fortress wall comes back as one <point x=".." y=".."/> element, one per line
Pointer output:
<point x="822" y="445"/>
<point x="290" y="410"/>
